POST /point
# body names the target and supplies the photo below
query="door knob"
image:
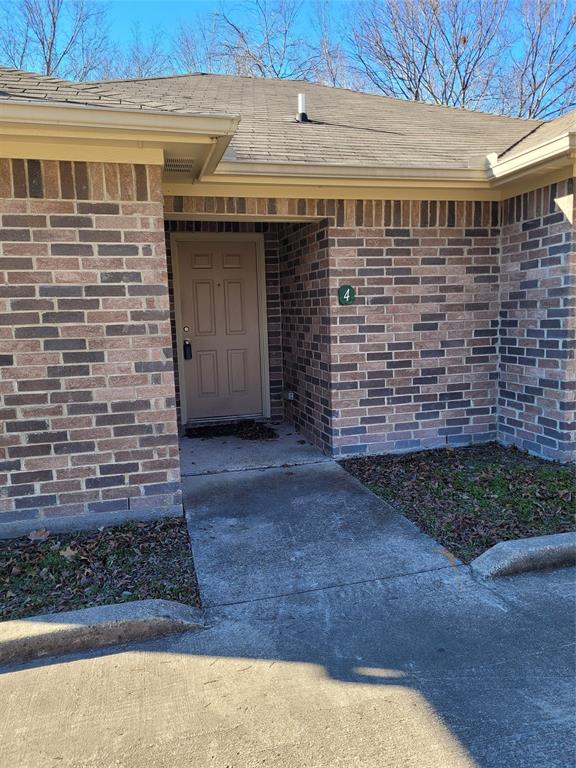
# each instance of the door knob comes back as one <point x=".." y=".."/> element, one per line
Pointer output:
<point x="187" y="349"/>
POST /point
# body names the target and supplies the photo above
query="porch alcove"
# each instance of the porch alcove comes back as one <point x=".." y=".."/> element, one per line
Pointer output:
<point x="295" y="291"/>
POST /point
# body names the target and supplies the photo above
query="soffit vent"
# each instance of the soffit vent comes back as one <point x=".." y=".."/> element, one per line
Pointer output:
<point x="179" y="164"/>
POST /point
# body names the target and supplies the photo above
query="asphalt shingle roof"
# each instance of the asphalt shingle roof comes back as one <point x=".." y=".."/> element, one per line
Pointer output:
<point x="542" y="133"/>
<point x="346" y="128"/>
<point x="27" y="87"/>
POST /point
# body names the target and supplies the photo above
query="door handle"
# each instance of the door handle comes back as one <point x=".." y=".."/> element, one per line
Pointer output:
<point x="187" y="349"/>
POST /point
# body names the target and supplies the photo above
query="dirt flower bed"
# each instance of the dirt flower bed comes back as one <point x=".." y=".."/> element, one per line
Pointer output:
<point x="48" y="572"/>
<point x="469" y="499"/>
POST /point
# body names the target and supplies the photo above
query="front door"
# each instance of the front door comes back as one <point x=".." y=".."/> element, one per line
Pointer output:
<point x="219" y="315"/>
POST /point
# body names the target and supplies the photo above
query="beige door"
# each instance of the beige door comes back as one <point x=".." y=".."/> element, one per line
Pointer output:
<point x="218" y="286"/>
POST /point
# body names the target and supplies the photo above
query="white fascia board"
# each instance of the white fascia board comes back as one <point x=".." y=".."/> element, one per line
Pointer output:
<point x="237" y="168"/>
<point x="557" y="149"/>
<point x="118" y="118"/>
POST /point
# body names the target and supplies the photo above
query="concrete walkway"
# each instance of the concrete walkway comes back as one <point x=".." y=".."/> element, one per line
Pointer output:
<point x="271" y="518"/>
<point x="337" y="636"/>
<point x="265" y="533"/>
<point x="232" y="454"/>
<point x="421" y="671"/>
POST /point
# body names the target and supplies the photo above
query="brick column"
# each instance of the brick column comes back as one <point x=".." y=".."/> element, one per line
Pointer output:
<point x="87" y="410"/>
<point x="537" y="378"/>
<point x="414" y="359"/>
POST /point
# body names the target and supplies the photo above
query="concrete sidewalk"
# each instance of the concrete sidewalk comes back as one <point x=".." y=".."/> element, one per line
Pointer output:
<point x="201" y="456"/>
<point x="337" y="636"/>
<point x="424" y="671"/>
<point x="265" y="533"/>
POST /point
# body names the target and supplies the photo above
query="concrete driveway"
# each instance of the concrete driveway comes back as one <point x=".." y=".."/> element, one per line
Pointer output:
<point x="337" y="635"/>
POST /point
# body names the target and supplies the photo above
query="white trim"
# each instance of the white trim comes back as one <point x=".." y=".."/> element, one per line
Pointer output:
<point x="172" y="216"/>
<point x="550" y="154"/>
<point x="117" y="117"/>
<point x="258" y="240"/>
<point x="114" y="134"/>
<point x="476" y="171"/>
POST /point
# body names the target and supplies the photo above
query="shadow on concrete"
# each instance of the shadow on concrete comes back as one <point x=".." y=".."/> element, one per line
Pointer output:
<point x="448" y="671"/>
<point x="337" y="634"/>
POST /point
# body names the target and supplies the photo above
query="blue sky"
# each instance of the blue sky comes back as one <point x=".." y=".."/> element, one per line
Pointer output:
<point x="168" y="14"/>
<point x="155" y="13"/>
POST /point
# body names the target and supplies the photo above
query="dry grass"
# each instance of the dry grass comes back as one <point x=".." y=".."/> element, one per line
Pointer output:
<point x="469" y="499"/>
<point x="60" y="572"/>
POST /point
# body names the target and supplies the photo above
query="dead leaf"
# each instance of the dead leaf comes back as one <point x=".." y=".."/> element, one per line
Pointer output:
<point x="68" y="553"/>
<point x="40" y="534"/>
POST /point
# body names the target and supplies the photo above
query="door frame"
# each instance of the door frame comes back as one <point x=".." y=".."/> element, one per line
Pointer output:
<point x="224" y="237"/>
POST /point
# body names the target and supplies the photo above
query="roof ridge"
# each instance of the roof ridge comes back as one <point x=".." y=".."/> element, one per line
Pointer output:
<point x="537" y="127"/>
<point x="523" y="138"/>
<point x="319" y="85"/>
<point x="83" y="86"/>
<point x="153" y="77"/>
<point x="28" y="73"/>
<point x="93" y="84"/>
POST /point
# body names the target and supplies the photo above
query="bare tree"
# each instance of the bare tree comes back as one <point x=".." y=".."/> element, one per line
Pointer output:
<point x="261" y="39"/>
<point x="332" y="66"/>
<point x="196" y="47"/>
<point x="541" y="80"/>
<point x="442" y="51"/>
<point x="144" y="56"/>
<point x="61" y="38"/>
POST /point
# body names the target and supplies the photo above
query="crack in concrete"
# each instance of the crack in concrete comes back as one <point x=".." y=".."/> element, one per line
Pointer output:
<point x="258" y="468"/>
<point x="208" y="606"/>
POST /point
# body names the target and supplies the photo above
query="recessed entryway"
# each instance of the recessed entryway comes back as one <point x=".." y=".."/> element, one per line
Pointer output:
<point x="220" y="305"/>
<point x="230" y="454"/>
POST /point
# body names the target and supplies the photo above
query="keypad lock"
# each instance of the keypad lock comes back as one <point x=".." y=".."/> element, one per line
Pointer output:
<point x="187" y="349"/>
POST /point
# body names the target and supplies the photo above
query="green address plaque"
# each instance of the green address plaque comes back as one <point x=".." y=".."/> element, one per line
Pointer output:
<point x="346" y="294"/>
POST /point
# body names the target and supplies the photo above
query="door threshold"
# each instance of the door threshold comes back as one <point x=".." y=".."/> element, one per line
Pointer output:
<point x="224" y="419"/>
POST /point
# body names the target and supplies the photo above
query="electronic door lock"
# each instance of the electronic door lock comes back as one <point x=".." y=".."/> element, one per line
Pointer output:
<point x="187" y="349"/>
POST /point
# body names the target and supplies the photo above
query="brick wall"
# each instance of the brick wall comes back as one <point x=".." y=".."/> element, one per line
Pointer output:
<point x="305" y="302"/>
<point x="537" y="322"/>
<point x="87" y="403"/>
<point x="87" y="418"/>
<point x="414" y="361"/>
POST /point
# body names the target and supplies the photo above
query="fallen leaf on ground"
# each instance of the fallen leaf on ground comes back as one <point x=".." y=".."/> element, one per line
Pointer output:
<point x="40" y="534"/>
<point x="68" y="553"/>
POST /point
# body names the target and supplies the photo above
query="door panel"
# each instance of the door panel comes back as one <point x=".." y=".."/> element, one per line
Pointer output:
<point x="218" y="291"/>
<point x="202" y="260"/>
<point x="207" y="369"/>
<point x="237" y="370"/>
<point x="234" y="306"/>
<point x="204" y="309"/>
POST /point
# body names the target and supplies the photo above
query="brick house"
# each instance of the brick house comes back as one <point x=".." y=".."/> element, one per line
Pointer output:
<point x="147" y="220"/>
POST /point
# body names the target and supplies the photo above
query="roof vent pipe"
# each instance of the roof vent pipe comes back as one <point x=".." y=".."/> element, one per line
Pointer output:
<point x="302" y="117"/>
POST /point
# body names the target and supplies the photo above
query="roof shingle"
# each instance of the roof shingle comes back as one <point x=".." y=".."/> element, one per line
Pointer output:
<point x="347" y="127"/>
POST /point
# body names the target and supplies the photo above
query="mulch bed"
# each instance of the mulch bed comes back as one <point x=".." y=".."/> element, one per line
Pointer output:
<point x="246" y="429"/>
<point x="469" y="499"/>
<point x="49" y="572"/>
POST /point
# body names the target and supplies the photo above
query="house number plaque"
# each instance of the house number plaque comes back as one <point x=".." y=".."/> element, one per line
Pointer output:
<point x="346" y="294"/>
